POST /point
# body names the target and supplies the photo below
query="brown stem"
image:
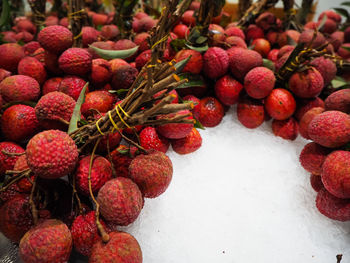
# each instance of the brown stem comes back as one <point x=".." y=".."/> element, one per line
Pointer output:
<point x="75" y="194"/>
<point x="339" y="258"/>
<point x="303" y="11"/>
<point x="14" y="180"/>
<point x="243" y="5"/>
<point x="12" y="154"/>
<point x="32" y="203"/>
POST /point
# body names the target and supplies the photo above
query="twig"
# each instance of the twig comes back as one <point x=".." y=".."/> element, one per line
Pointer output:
<point x="32" y="203"/>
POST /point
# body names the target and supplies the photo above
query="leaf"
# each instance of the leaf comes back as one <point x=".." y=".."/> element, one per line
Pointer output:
<point x="201" y="40"/>
<point x="346" y="3"/>
<point x="346" y="48"/>
<point x="112" y="54"/>
<point x="338" y="82"/>
<point x="5" y="14"/>
<point x="342" y="11"/>
<point x="73" y="124"/>
<point x="198" y="125"/>
<point x="194" y="80"/>
<point x="268" y="64"/>
<point x="199" y="49"/>
<point x="178" y="44"/>
<point x="290" y="41"/>
<point x="179" y="66"/>
<point x="119" y="91"/>
<point x="323" y="21"/>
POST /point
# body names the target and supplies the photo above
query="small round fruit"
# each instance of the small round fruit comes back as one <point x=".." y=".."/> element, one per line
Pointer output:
<point x="191" y="143"/>
<point x="250" y="112"/>
<point x="312" y="157"/>
<point x="280" y="104"/>
<point x="211" y="112"/>
<point x="55" y="39"/>
<point x="227" y="90"/>
<point x="259" y="82"/>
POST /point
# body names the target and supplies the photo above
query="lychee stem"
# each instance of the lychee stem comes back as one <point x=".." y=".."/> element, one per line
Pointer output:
<point x="32" y="203"/>
<point x="76" y="196"/>
<point x="12" y="154"/>
<point x="20" y="175"/>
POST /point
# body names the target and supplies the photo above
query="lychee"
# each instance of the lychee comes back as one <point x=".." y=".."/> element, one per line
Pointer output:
<point x="286" y="129"/>
<point x="121" y="159"/>
<point x="89" y="35"/>
<point x="143" y="58"/>
<point x="306" y="119"/>
<point x="333" y="207"/>
<point x="227" y="90"/>
<point x="31" y="67"/>
<point x="280" y="104"/>
<point x="250" y="112"/>
<point x="75" y="61"/>
<point x="19" y="88"/>
<point x="215" y="62"/>
<point x="259" y="82"/>
<point x="235" y="31"/>
<point x="195" y="63"/>
<point x="191" y="143"/>
<point x="110" y="32"/>
<point x="11" y="54"/>
<point x="150" y="139"/>
<point x="306" y="104"/>
<point x="97" y="101"/>
<point x="316" y="182"/>
<point x="262" y="46"/>
<point x="123" y="77"/>
<point x="51" y="85"/>
<point x="326" y="67"/>
<point x="7" y="162"/>
<point x="175" y="130"/>
<point x="339" y="100"/>
<point x="312" y="157"/>
<point x="72" y="86"/>
<point x="55" y="39"/>
<point x="306" y="84"/>
<point x="253" y="32"/>
<point x="210" y="112"/>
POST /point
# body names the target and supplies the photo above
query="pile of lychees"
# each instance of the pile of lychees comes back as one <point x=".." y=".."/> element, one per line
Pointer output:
<point x="42" y="76"/>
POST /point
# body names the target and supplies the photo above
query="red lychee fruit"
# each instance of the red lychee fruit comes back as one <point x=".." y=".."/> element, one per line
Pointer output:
<point x="25" y="25"/>
<point x="141" y="40"/>
<point x="336" y="39"/>
<point x="253" y="32"/>
<point x="259" y="82"/>
<point x="175" y="130"/>
<point x="328" y="27"/>
<point x="191" y="143"/>
<point x="215" y="62"/>
<point x="262" y="46"/>
<point x="333" y="207"/>
<point x="150" y="139"/>
<point x="316" y="182"/>
<point x="19" y="88"/>
<point x="110" y="32"/>
<point x="51" y="63"/>
<point x="52" y="154"/>
<point x="55" y="39"/>
<point x="121" y="159"/>
<point x="293" y="35"/>
<point x="242" y="61"/>
<point x="306" y="84"/>
<point x="286" y="129"/>
<point x="235" y="42"/>
<point x="4" y="74"/>
<point x="152" y="173"/>
<point x="110" y="141"/>
<point x="97" y="101"/>
<point x="101" y="172"/>
<point x="307" y="104"/>
<point x="99" y="19"/>
<point x="188" y="18"/>
<point x="51" y="21"/>
<point x="145" y="24"/>
<point x="336" y="173"/>
<point x="266" y="20"/>
<point x="211" y="112"/>
<point x="101" y="72"/>
<point x="312" y="157"/>
<point x="307" y="35"/>
<point x="339" y="100"/>
<point x="9" y="36"/>
<point x="330" y="129"/>
<point x="143" y="58"/>
<point x="24" y="185"/>
<point x="306" y="119"/>
<point x="49" y="241"/>
<point x="344" y="53"/>
<point x="64" y="22"/>
<point x="31" y="67"/>
<point x="182" y="31"/>
<point x="120" y="201"/>
<point x="196" y="109"/>
<point x="11" y="54"/>
<point x="75" y="61"/>
<point x="280" y="104"/>
<point x="123" y="44"/>
<point x="217" y="35"/>
<point x="287" y="49"/>
<point x="89" y="35"/>
<point x="326" y="68"/>
<point x="330" y="15"/>
<point x="124" y="77"/>
<point x="31" y="47"/>
<point x="51" y="85"/>
<point x="235" y="31"/>
<point x="54" y="110"/>
<point x="19" y="123"/>
<point x="72" y="86"/>
<point x="122" y="247"/>
<point x="117" y="63"/>
<point x="250" y="112"/>
<point x="7" y="162"/>
<point x="24" y="37"/>
<point x="227" y="90"/>
<point x="195" y="64"/>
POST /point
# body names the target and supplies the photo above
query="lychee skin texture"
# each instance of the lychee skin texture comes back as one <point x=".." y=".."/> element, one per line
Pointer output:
<point x="85" y="233"/>
<point x="149" y="139"/>
<point x="55" y="39"/>
<point x="72" y="86"/>
<point x="191" y="143"/>
<point x="121" y="248"/>
<point x="152" y="173"/>
<point x="98" y="100"/>
<point x="143" y="58"/>
<point x="120" y="201"/>
<point x="333" y="207"/>
<point x="19" y="123"/>
<point x="51" y="85"/>
<point x="124" y="77"/>
<point x="250" y="112"/>
<point x="280" y="104"/>
<point x="49" y="241"/>
<point x="286" y="129"/>
<point x="11" y="54"/>
<point x="211" y="112"/>
<point x="75" y="61"/>
<point x="312" y="157"/>
<point x="54" y="107"/>
<point x="31" y="67"/>
<point x="19" y="88"/>
<point x="101" y="172"/>
<point x="339" y="100"/>
<point x="336" y="173"/>
<point x="7" y="162"/>
<point x="259" y="82"/>
<point x="307" y="104"/>
<point x="101" y="72"/>
<point x="306" y="84"/>
<point x="242" y="61"/>
<point x="227" y="90"/>
<point x="215" y="62"/>
<point x="326" y="67"/>
<point x="316" y="182"/>
<point x="330" y="129"/>
<point x="306" y="119"/>
<point x="121" y="158"/>
<point x="175" y="130"/>
<point x="52" y="154"/>
<point x="195" y="64"/>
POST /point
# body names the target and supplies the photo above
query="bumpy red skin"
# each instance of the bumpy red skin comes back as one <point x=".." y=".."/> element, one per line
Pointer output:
<point x="145" y="24"/>
<point x="75" y="61"/>
<point x="215" y="62"/>
<point x="99" y="19"/>
<point x="345" y="54"/>
<point x="242" y="61"/>
<point x="72" y="86"/>
<point x="211" y="112"/>
<point x="235" y="31"/>
<point x="316" y="182"/>
<point x="306" y="84"/>
<point x="330" y="129"/>
<point x="142" y="59"/>
<point x="280" y="104"/>
<point x="188" y="18"/>
<point x="312" y="157"/>
<point x="331" y="15"/>
<point x="101" y="72"/>
<point x="250" y="112"/>
<point x="293" y="34"/>
<point x="25" y="25"/>
<point x="189" y="144"/>
<point x="55" y="39"/>
<point x="122" y="247"/>
<point x="152" y="173"/>
<point x="227" y="90"/>
<point x="51" y="21"/>
<point x="253" y="32"/>
<point x="11" y="192"/>
<point x="11" y="54"/>
<point x="141" y="40"/>
<point x="333" y="207"/>
<point x="196" y="109"/>
<point x="52" y="84"/>
<point x="51" y="63"/>
<point x="52" y="154"/>
<point x="24" y="185"/>
<point x="329" y="26"/>
<point x="234" y="41"/>
<point x="26" y="37"/>
<point x="326" y="67"/>
<point x="306" y="119"/>
<point x="307" y="35"/>
<point x="149" y="139"/>
<point x="120" y="201"/>
<point x="8" y="162"/>
<point x="307" y="104"/>
<point x="336" y="173"/>
<point x="89" y="35"/>
<point x="277" y="38"/>
<point x="259" y="82"/>
<point x="182" y="31"/>
<point x="124" y="77"/>
<point x="101" y="172"/>
<point x="4" y="74"/>
<point x="339" y="100"/>
<point x="195" y="64"/>
<point x="113" y="140"/>
<point x="336" y="39"/>
<point x="287" y="49"/>
<point x="85" y="233"/>
<point x="53" y="107"/>
<point x="19" y="123"/>
<point x="175" y="130"/>
<point x="110" y="32"/>
<point x="16" y="218"/>
<point x="121" y="161"/>
<point x="31" y="67"/>
<point x="266" y="20"/>
<point x="100" y="100"/>
<point x="19" y="88"/>
<point x="286" y="129"/>
<point x="49" y="241"/>
<point x="262" y="46"/>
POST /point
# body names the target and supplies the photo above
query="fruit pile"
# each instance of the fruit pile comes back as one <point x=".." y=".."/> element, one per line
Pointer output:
<point x="84" y="130"/>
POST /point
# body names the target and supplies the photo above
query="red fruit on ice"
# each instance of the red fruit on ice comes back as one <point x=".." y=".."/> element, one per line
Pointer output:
<point x="175" y="130"/>
<point x="97" y="101"/>
<point x="195" y="64"/>
<point x="149" y="139"/>
<point x="306" y="119"/>
<point x="211" y="112"/>
<point x="333" y="207"/>
<point x="11" y="54"/>
<point x="72" y="86"/>
<point x="33" y="68"/>
<point x="312" y="157"/>
<point x="242" y="61"/>
<point x="307" y="104"/>
<point x="51" y="85"/>
<point x="280" y="104"/>
<point x="215" y="62"/>
<point x="227" y="90"/>
<point x="316" y="182"/>
<point x="7" y="162"/>
<point x="250" y="112"/>
<point x="286" y="129"/>
<point x="55" y="39"/>
<point x="259" y="82"/>
<point x="75" y="61"/>
<point x="306" y="84"/>
<point x="191" y="143"/>
<point x="19" y="88"/>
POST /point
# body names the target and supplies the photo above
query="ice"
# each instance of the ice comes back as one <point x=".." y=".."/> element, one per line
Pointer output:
<point x="243" y="197"/>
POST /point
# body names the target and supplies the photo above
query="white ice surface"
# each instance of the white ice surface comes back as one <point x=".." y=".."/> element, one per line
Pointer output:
<point x="243" y="197"/>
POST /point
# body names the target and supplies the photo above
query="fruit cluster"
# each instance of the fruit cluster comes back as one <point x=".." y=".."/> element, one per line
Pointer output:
<point x="41" y="83"/>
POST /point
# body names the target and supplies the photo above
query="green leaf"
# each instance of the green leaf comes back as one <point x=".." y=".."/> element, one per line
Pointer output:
<point x="112" y="54"/>
<point x="76" y="116"/>
<point x="346" y="3"/>
<point x="178" y="44"/>
<point x="198" y="125"/>
<point x="194" y="80"/>
<point x="290" y="41"/>
<point x="268" y="64"/>
<point x="338" y="82"/>
<point x="179" y="66"/>
<point x="342" y="11"/>
<point x="201" y="40"/>
<point x="119" y="91"/>
<point x="5" y="14"/>
<point x="346" y="48"/>
<point x="323" y="21"/>
<point x="199" y="49"/>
